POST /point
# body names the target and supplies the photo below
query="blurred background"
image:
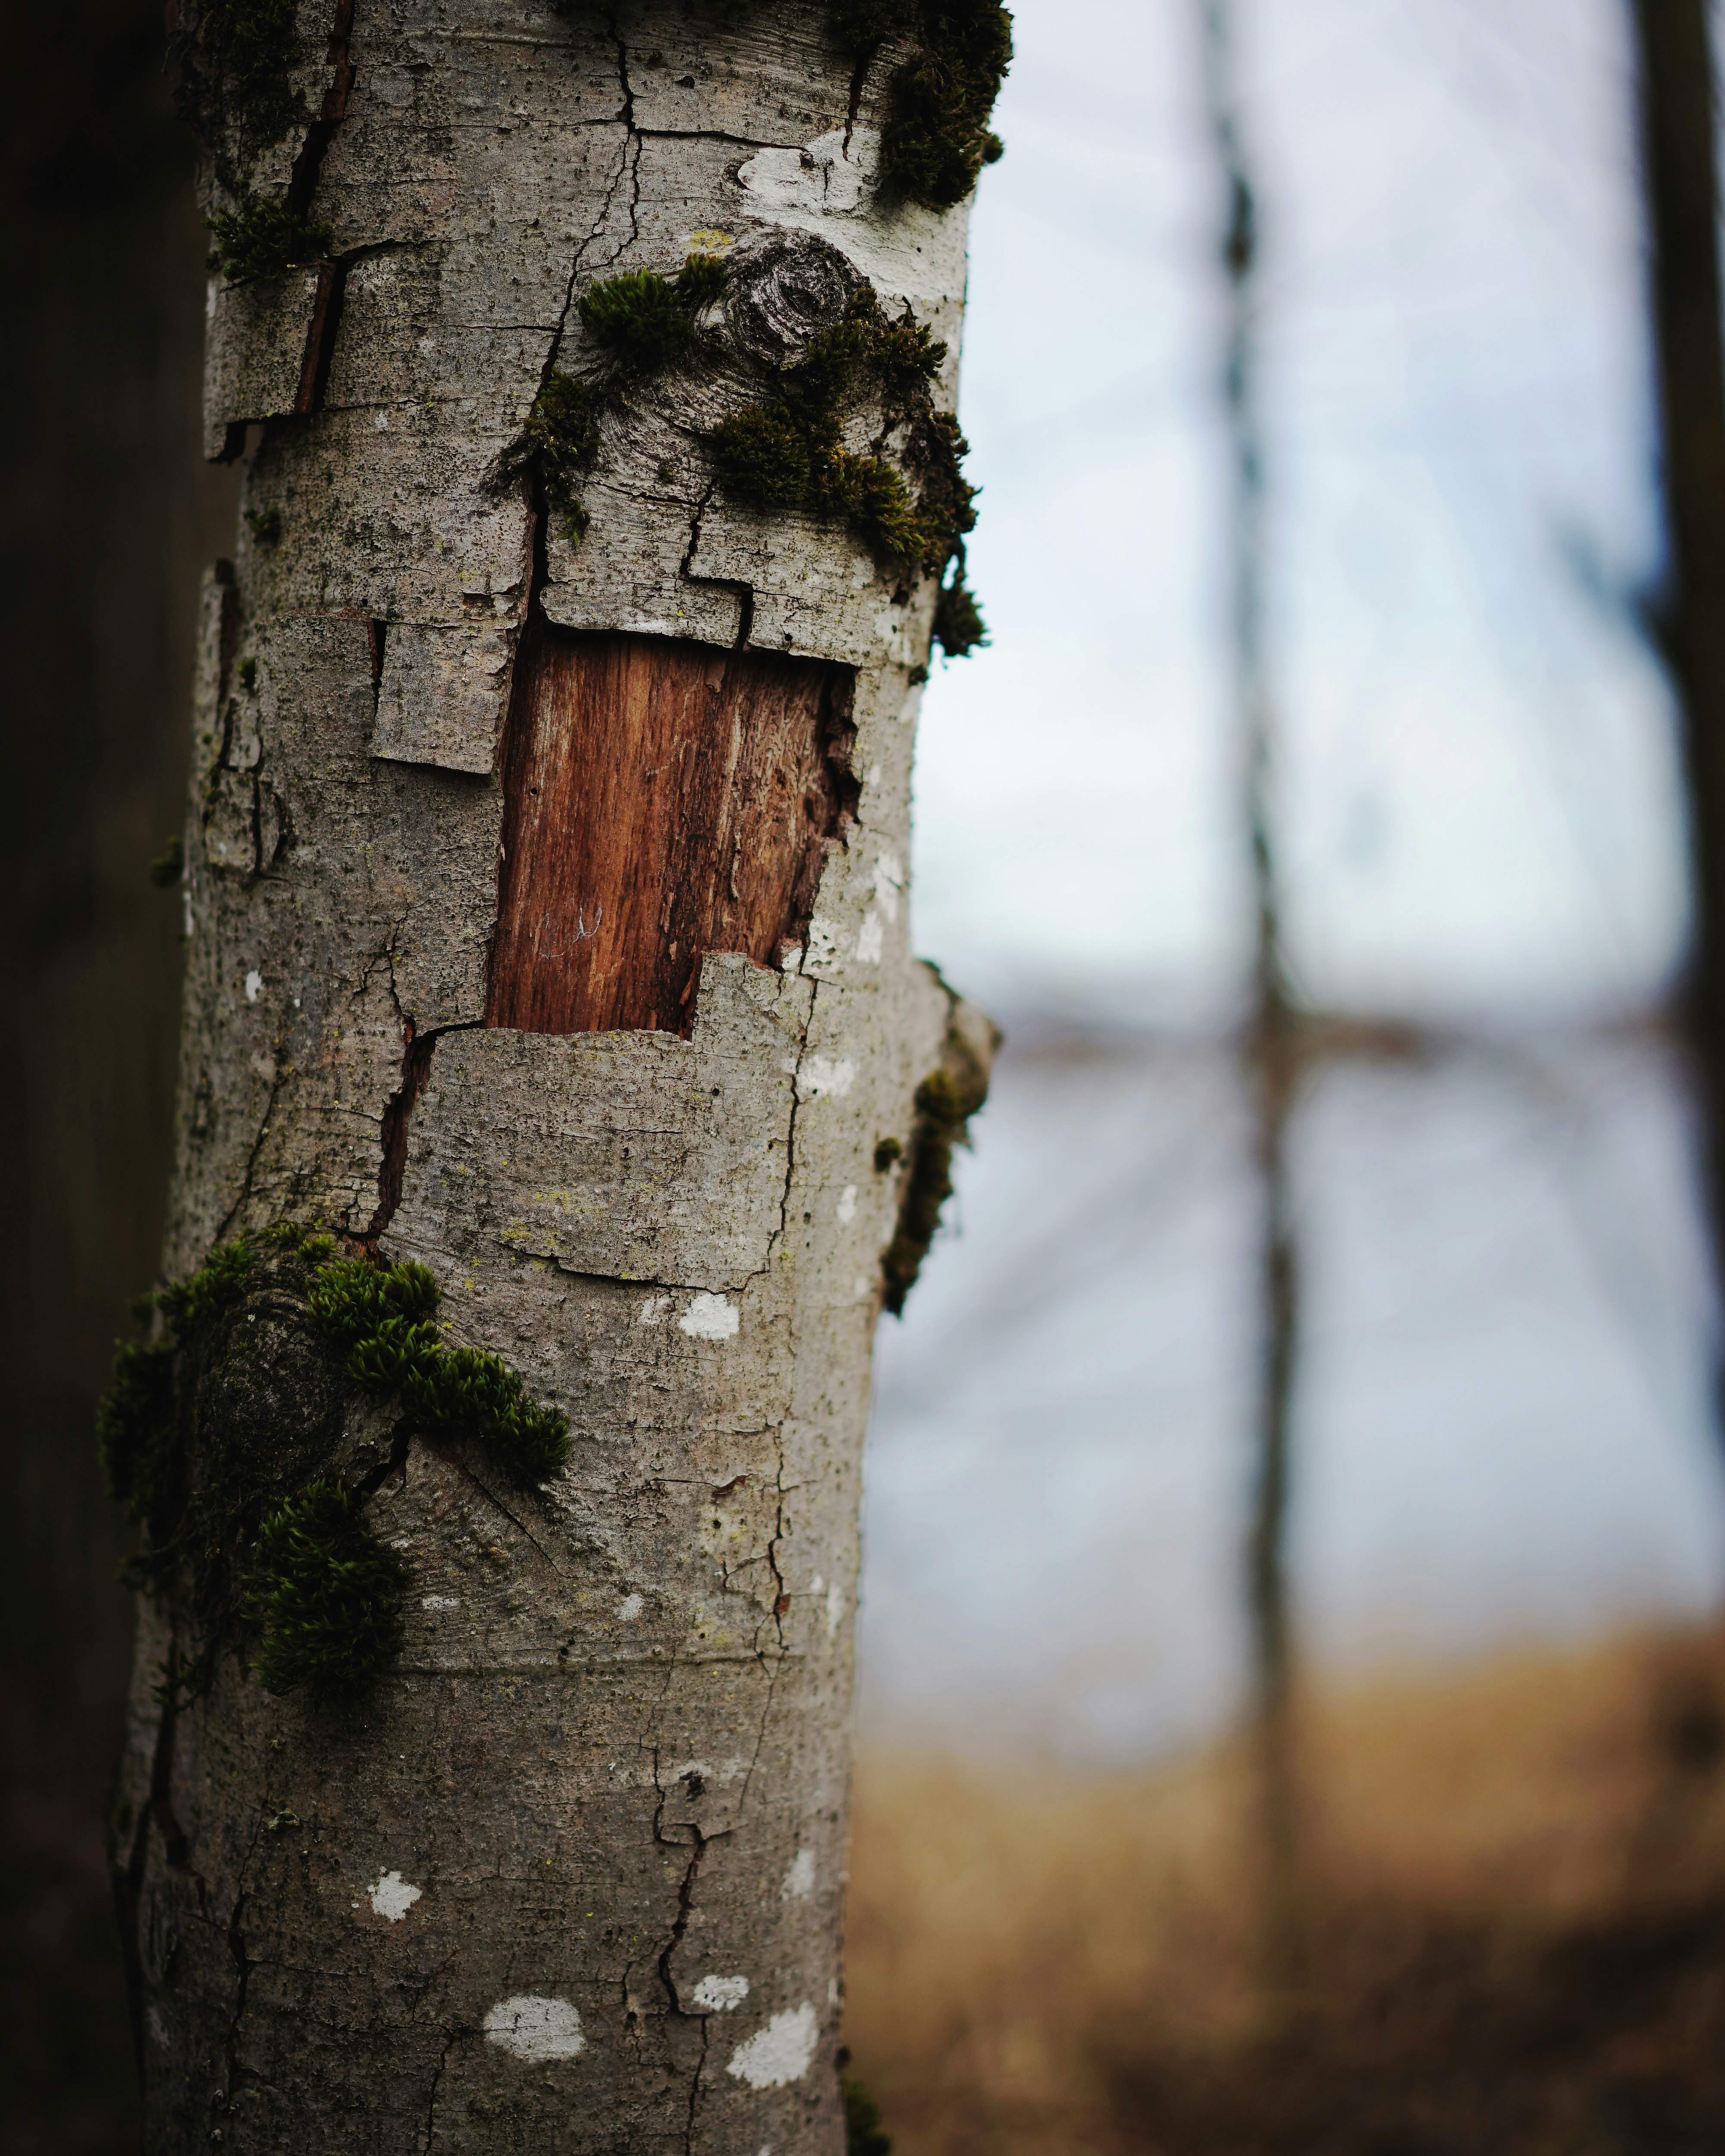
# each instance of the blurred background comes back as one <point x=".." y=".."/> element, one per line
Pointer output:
<point x="1292" y="1705"/>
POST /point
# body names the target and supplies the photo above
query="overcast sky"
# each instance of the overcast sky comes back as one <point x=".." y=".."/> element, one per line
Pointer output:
<point x="1479" y="801"/>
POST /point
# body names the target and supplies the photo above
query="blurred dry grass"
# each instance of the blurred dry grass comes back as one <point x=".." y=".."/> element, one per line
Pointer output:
<point x="1514" y="1886"/>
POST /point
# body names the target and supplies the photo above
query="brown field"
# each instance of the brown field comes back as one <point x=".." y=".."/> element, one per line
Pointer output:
<point x="1513" y="1894"/>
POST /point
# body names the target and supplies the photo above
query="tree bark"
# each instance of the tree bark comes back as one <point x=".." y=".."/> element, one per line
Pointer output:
<point x="545" y="925"/>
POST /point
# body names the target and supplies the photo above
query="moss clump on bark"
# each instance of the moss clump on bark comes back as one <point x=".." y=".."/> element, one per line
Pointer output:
<point x="788" y="453"/>
<point x="169" y="866"/>
<point x="238" y="59"/>
<point x="936" y="138"/>
<point x="641" y="322"/>
<point x="261" y="237"/>
<point x="865" y="2132"/>
<point x="959" y="628"/>
<point x="237" y="1412"/>
<point x="563" y="427"/>
<point x="324" y="1596"/>
<point x="945" y="1102"/>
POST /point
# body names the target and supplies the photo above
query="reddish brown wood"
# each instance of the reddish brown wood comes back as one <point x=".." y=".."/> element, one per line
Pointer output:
<point x="661" y="800"/>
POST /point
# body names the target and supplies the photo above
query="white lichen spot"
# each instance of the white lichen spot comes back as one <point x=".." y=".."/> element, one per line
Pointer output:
<point x="722" y="1993"/>
<point x="871" y="939"/>
<point x="709" y="1317"/>
<point x="816" y="1584"/>
<point x="835" y="1609"/>
<point x="629" y="1608"/>
<point x="780" y="2053"/>
<point x="790" y="957"/>
<point x="822" y="943"/>
<point x="653" y="1310"/>
<point x="862" y="1287"/>
<point x="440" y="1602"/>
<point x="799" y="1880"/>
<point x="889" y="882"/>
<point x="393" y="1895"/>
<point x="158" y="2027"/>
<point x="846" y="1207"/>
<point x="533" y="2028"/>
<point x="832" y="1991"/>
<point x="382" y="423"/>
<point x="823" y="1075"/>
<point x="254" y="985"/>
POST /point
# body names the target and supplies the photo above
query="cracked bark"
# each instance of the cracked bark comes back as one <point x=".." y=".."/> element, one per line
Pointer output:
<point x="649" y="1183"/>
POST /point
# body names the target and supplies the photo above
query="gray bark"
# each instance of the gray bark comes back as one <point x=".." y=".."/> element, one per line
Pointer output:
<point x="573" y="1877"/>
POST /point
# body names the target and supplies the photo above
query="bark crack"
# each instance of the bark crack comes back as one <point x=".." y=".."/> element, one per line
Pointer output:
<point x="418" y="1049"/>
<point x="743" y="591"/>
<point x="436" y="2081"/>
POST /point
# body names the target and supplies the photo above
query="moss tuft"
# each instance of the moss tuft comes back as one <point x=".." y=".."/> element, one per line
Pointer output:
<point x="563" y="427"/>
<point x="135" y="1422"/>
<point x="264" y="525"/>
<point x="936" y="138"/>
<point x="253" y="46"/>
<point x="247" y="672"/>
<point x="644" y="321"/>
<point x="326" y="1596"/>
<point x="169" y="866"/>
<point x="350" y="1298"/>
<point x="260" y="237"/>
<point x="959" y="628"/>
<point x="945" y="1102"/>
<point x="218" y="1286"/>
<point x="701" y="280"/>
<point x="243" y="1398"/>
<point x="865" y="2132"/>
<point x="788" y="454"/>
<point x="465" y="1392"/>
<point x="761" y="456"/>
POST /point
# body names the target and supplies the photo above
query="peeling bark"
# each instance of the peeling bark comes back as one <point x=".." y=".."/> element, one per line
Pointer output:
<point x="616" y="1058"/>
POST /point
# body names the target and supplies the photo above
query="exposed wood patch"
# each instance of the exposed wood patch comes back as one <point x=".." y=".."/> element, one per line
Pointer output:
<point x="662" y="800"/>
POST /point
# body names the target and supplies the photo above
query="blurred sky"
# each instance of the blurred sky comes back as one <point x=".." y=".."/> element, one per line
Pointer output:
<point x="1502" y="1419"/>
<point x="1479" y="800"/>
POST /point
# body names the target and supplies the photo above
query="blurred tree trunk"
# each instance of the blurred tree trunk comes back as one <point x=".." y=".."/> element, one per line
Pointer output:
<point x="1272" y="1043"/>
<point x="1677" y="97"/>
<point x="108" y="520"/>
<point x="543" y="890"/>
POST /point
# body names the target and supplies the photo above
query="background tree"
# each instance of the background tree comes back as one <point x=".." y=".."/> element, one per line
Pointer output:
<point x="558" y="1100"/>
<point x="1679" y="189"/>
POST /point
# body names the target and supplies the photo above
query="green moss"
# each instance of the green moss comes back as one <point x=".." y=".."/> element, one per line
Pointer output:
<point x="324" y="1594"/>
<point x="260" y="237"/>
<point x="761" y="455"/>
<point x="857" y="26"/>
<point x="642" y="321"/>
<point x="465" y="1392"/>
<point x="701" y="280"/>
<point x="864" y="2133"/>
<point x="169" y="866"/>
<point x="945" y="1102"/>
<point x="788" y="453"/>
<point x="563" y="427"/>
<point x="218" y="1287"/>
<point x="936" y="137"/>
<point x="243" y="1399"/>
<point x="264" y="525"/>
<point x="135" y="1422"/>
<point x="350" y="1298"/>
<point x="252" y="47"/>
<point x="959" y="628"/>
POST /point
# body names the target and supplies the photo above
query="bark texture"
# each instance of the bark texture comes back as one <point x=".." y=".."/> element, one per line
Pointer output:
<point x="545" y="908"/>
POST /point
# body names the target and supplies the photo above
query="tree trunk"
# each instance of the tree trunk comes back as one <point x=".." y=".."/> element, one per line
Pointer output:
<point x="1273" y="1050"/>
<point x="546" y="927"/>
<point x="1676" y="85"/>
